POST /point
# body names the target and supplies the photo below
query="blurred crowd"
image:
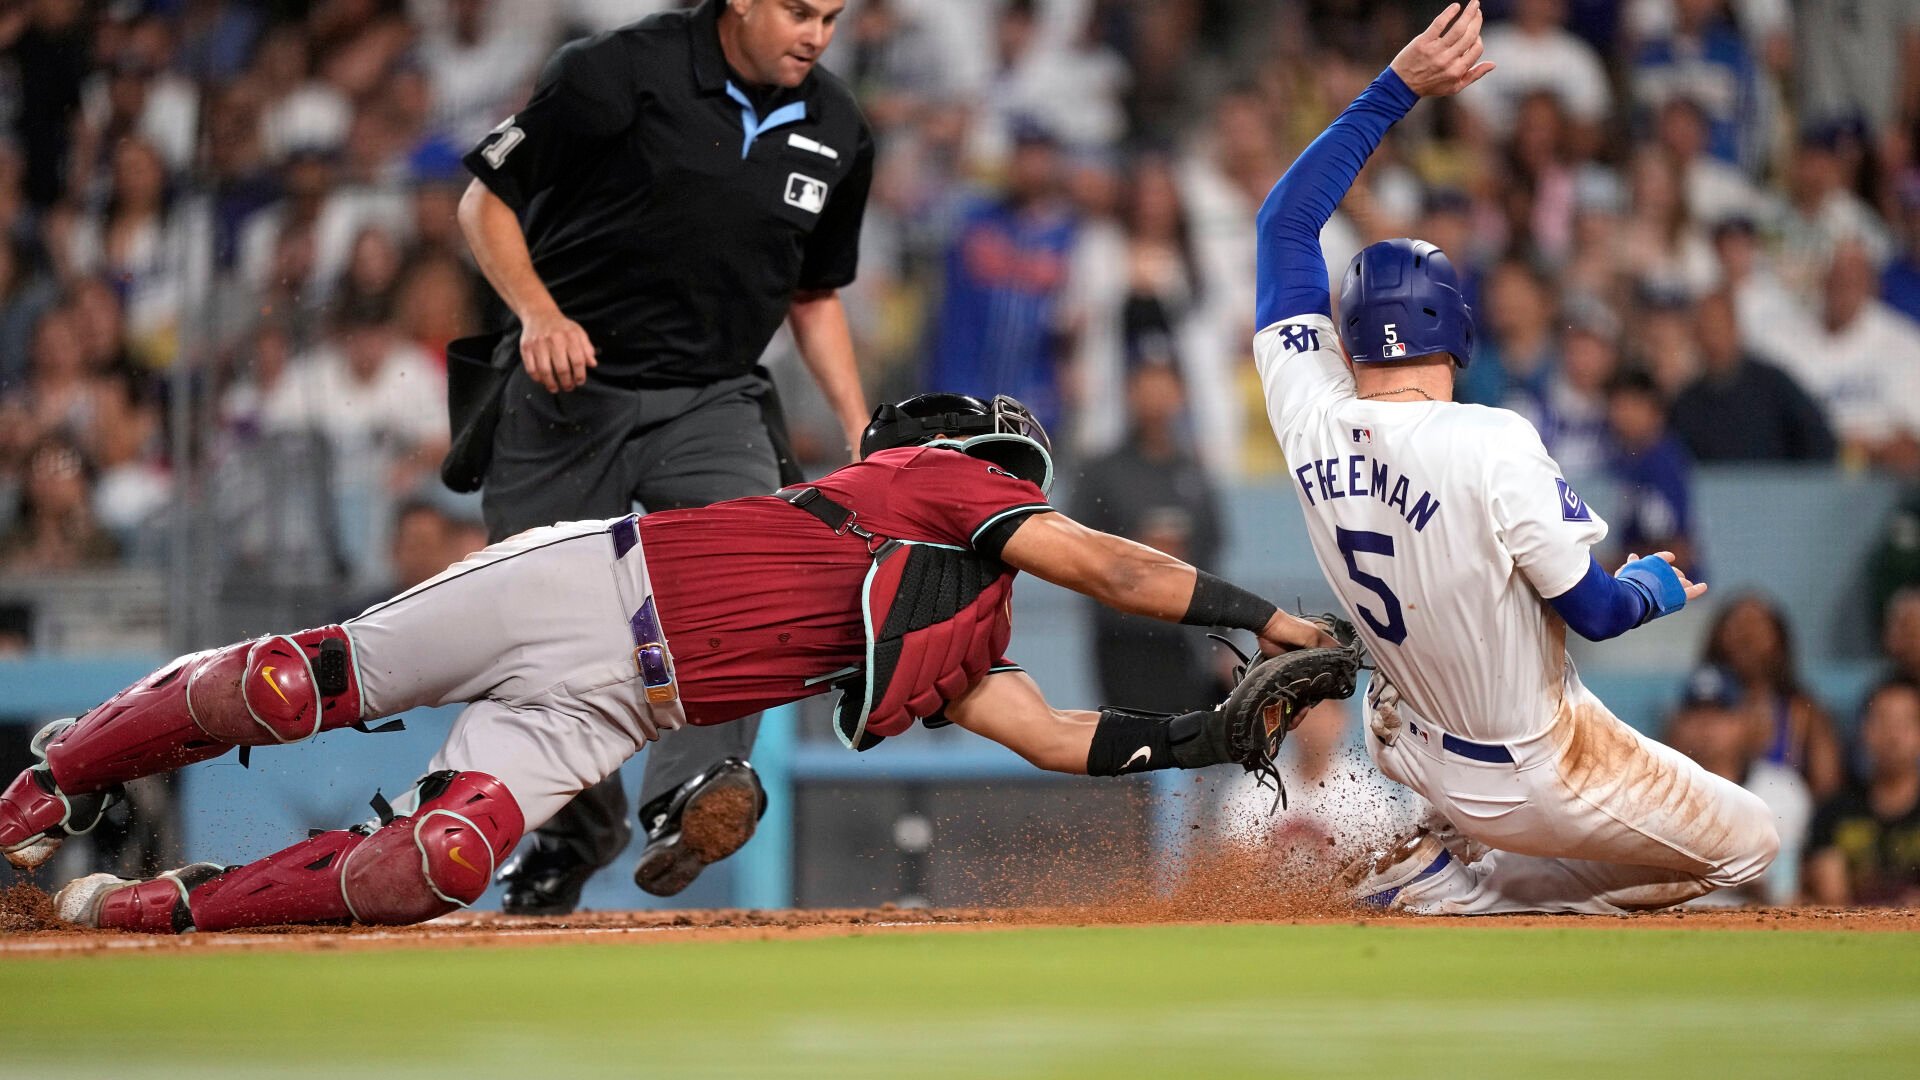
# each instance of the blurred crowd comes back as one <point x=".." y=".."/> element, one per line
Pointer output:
<point x="1690" y="230"/>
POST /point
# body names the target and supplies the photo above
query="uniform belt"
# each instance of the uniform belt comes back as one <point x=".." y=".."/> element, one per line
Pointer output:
<point x="649" y="642"/>
<point x="1492" y="753"/>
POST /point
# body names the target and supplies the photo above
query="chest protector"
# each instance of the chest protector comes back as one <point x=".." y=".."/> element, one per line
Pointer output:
<point x="936" y="618"/>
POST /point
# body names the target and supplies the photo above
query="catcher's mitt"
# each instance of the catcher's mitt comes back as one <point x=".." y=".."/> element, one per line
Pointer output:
<point x="1273" y="694"/>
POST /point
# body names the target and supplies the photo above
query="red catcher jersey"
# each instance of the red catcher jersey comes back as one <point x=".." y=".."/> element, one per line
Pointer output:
<point x="757" y="596"/>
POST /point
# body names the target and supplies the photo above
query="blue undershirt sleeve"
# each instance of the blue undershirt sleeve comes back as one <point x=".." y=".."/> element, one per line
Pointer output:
<point x="1290" y="274"/>
<point x="1602" y="606"/>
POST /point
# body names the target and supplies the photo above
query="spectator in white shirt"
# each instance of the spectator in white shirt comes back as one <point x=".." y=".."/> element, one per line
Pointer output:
<point x="380" y="404"/>
<point x="1861" y="361"/>
<point x="1536" y="52"/>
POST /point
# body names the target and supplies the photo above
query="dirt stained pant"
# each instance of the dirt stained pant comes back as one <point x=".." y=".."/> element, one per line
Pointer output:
<point x="1584" y="815"/>
<point x="594" y="452"/>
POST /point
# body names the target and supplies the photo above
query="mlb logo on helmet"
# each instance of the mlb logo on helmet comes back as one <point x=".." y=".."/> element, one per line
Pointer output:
<point x="1394" y="351"/>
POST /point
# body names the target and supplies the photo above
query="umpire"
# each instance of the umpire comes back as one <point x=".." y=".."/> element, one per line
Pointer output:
<point x="673" y="190"/>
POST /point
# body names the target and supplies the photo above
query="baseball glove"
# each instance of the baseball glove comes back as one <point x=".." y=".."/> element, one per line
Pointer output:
<point x="1273" y="695"/>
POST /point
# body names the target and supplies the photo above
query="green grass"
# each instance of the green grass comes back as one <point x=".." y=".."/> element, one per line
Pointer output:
<point x="1214" y="1001"/>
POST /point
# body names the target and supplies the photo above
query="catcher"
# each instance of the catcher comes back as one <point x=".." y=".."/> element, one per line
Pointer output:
<point x="577" y="644"/>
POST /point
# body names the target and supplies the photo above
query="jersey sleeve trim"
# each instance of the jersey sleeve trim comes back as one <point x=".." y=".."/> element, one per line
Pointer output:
<point x="992" y="535"/>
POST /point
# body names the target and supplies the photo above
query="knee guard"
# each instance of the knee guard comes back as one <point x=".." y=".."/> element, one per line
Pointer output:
<point x="273" y="690"/>
<point x="440" y="857"/>
<point x="409" y="870"/>
<point x="276" y="689"/>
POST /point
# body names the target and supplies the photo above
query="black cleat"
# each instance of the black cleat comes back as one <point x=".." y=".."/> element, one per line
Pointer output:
<point x="544" y="878"/>
<point x="697" y="824"/>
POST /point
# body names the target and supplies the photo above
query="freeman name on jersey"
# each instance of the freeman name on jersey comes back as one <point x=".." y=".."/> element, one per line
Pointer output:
<point x="1358" y="475"/>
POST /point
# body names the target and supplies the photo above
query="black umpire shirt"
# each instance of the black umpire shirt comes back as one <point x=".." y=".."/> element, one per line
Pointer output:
<point x="672" y="211"/>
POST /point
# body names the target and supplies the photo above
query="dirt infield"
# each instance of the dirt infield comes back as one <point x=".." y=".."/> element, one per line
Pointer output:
<point x="27" y="926"/>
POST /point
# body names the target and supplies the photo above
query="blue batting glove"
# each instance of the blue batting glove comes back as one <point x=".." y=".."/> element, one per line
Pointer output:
<point x="1656" y="581"/>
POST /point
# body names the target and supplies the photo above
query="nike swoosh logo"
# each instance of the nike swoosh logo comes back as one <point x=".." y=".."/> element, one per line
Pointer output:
<point x="1144" y="756"/>
<point x="454" y="857"/>
<point x="267" y="674"/>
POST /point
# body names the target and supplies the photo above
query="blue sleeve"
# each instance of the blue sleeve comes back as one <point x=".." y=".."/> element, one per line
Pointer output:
<point x="1601" y="606"/>
<point x="1290" y="275"/>
<point x="1605" y="606"/>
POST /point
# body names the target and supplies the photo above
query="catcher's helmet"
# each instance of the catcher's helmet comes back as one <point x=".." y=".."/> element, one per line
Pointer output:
<point x="1002" y="431"/>
<point x="1400" y="300"/>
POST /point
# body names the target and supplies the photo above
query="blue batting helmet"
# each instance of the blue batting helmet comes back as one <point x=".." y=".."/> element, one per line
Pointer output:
<point x="1400" y="300"/>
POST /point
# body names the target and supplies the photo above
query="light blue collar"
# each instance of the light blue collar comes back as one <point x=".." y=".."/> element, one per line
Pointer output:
<point x="792" y="112"/>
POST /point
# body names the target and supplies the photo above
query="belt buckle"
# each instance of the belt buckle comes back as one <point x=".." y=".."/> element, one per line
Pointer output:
<point x="658" y="692"/>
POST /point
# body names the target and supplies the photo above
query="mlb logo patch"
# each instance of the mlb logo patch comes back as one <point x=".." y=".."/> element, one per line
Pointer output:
<point x="1394" y="350"/>
<point x="806" y="193"/>
<point x="1363" y="436"/>
<point x="1572" y="507"/>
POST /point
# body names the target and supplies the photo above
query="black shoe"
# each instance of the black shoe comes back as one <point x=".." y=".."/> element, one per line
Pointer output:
<point x="697" y="824"/>
<point x="544" y="878"/>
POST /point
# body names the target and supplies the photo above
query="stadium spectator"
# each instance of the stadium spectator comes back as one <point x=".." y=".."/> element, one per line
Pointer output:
<point x="481" y="56"/>
<point x="1536" y="53"/>
<point x="24" y="296"/>
<point x="132" y="487"/>
<point x="1823" y="213"/>
<point x="1751" y="639"/>
<point x="1856" y="60"/>
<point x="381" y="406"/>
<point x="1715" y="190"/>
<point x="1714" y="726"/>
<point x="1861" y="361"/>
<point x="1002" y="318"/>
<point x="1772" y="319"/>
<point x="1570" y="407"/>
<point x="49" y="46"/>
<point x="1777" y="420"/>
<point x="419" y="547"/>
<point x="1512" y="362"/>
<point x="55" y="531"/>
<point x="1701" y="56"/>
<point x="1653" y="472"/>
<point x="1138" y="290"/>
<point x="1900" y="634"/>
<point x="61" y="393"/>
<point x="1865" y="842"/>
<point x="1153" y="490"/>
<point x="1900" y="281"/>
<point x="133" y="242"/>
<point x="1541" y="191"/>
<point x="1664" y="248"/>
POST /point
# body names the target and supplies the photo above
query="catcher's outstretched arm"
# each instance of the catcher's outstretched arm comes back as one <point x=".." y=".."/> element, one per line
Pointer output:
<point x="1245" y="730"/>
<point x="1139" y="580"/>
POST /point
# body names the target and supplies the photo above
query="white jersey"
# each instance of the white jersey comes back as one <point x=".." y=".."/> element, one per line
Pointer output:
<point x="1441" y="527"/>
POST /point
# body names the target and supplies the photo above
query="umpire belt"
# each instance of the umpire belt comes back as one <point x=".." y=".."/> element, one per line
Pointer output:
<point x="1492" y="753"/>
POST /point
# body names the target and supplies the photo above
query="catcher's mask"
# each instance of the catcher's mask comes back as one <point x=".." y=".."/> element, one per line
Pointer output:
<point x="1001" y="431"/>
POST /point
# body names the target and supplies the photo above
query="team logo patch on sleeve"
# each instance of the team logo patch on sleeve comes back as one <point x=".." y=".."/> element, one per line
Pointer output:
<point x="806" y="193"/>
<point x="1572" y="506"/>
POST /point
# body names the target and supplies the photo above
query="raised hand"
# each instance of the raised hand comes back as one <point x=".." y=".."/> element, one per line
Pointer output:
<point x="1445" y="58"/>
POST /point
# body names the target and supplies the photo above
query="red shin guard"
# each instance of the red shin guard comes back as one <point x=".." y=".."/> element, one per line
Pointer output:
<point x="412" y="869"/>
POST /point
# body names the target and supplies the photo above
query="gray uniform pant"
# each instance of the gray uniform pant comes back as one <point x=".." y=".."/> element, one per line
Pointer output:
<point x="594" y="452"/>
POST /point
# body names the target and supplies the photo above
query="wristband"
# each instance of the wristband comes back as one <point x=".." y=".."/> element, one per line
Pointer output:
<point x="1657" y="583"/>
<point x="1221" y="603"/>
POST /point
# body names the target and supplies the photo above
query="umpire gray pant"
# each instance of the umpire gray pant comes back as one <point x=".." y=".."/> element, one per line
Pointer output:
<point x="593" y="453"/>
